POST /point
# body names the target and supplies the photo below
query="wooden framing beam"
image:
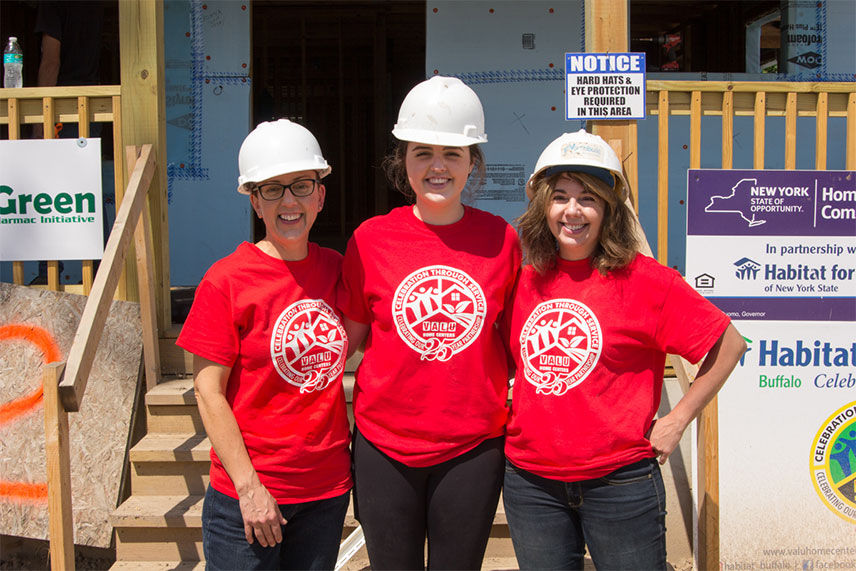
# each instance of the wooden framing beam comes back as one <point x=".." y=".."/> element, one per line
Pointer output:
<point x="608" y="30"/>
<point x="143" y="122"/>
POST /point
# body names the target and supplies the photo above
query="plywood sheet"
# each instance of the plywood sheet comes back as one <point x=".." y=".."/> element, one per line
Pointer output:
<point x="99" y="432"/>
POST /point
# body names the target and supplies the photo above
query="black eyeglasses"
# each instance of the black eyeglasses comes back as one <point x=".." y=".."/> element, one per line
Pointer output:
<point x="299" y="188"/>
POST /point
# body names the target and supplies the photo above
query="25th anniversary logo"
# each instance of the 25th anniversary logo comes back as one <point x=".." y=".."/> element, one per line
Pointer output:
<point x="833" y="462"/>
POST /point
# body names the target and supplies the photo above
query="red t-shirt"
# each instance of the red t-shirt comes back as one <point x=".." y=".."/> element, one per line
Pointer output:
<point x="590" y="352"/>
<point x="433" y="381"/>
<point x="275" y="324"/>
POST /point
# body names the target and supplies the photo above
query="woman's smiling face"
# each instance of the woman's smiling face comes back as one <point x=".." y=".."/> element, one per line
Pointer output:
<point x="289" y="218"/>
<point x="437" y="174"/>
<point x="575" y="216"/>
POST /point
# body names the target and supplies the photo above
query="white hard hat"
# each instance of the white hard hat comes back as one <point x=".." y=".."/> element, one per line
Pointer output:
<point x="441" y="111"/>
<point x="581" y="152"/>
<point x="278" y="147"/>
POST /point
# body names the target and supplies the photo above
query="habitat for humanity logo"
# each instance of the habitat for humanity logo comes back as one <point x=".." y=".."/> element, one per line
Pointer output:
<point x="747" y="269"/>
<point x="833" y="462"/>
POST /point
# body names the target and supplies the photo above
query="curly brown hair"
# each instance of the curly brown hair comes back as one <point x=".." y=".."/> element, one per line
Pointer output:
<point x="617" y="244"/>
<point x="396" y="172"/>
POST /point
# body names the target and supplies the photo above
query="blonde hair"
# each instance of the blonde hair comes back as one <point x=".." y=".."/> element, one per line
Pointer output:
<point x="617" y="243"/>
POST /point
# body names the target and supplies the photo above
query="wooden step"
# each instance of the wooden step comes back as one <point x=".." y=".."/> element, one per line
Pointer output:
<point x="174" y="391"/>
<point x="159" y="511"/>
<point x="159" y="528"/>
<point x="171" y="447"/>
<point x="158" y="566"/>
<point x="143" y="544"/>
<point x="170" y="464"/>
<point x="499" y="563"/>
<point x="172" y="409"/>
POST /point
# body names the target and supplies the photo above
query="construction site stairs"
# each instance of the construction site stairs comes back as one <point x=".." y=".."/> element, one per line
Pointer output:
<point x="159" y="526"/>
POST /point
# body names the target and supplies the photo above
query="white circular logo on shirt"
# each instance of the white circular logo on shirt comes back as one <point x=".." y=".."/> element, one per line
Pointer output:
<point x="308" y="345"/>
<point x="438" y="311"/>
<point x="559" y="345"/>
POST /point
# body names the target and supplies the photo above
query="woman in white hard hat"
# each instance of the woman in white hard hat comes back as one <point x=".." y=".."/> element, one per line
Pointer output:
<point x="425" y="286"/>
<point x="268" y="355"/>
<point x="591" y="324"/>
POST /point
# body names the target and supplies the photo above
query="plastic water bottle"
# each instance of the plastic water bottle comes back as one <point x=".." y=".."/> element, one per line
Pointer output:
<point x="13" y="61"/>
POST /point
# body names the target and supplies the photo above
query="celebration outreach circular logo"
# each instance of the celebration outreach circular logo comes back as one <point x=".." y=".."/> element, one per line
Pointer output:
<point x="308" y="345"/>
<point x="833" y="462"/>
<point x="438" y="311"/>
<point x="559" y="345"/>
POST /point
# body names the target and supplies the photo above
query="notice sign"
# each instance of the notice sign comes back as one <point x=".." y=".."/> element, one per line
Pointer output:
<point x="776" y="250"/>
<point x="605" y="86"/>
<point x="50" y="200"/>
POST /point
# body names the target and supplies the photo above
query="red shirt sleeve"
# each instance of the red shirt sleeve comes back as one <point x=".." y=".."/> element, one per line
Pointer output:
<point x="350" y="297"/>
<point x="210" y="331"/>
<point x="689" y="325"/>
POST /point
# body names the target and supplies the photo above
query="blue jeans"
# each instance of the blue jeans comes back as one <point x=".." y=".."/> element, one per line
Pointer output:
<point x="310" y="538"/>
<point x="620" y="517"/>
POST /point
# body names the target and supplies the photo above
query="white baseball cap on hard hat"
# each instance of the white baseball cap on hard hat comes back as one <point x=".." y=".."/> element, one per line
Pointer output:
<point x="441" y="111"/>
<point x="580" y="152"/>
<point x="278" y="147"/>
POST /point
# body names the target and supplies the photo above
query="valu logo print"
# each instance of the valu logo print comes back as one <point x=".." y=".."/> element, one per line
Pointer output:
<point x="308" y="345"/>
<point x="438" y="311"/>
<point x="559" y="345"/>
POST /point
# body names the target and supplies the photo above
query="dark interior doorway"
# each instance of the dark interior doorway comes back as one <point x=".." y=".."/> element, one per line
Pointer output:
<point x="702" y="35"/>
<point x="341" y="69"/>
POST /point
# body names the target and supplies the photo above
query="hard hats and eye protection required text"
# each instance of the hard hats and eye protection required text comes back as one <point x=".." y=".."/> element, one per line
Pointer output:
<point x="605" y="86"/>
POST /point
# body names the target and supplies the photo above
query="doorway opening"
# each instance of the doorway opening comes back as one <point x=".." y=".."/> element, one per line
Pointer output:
<point x="340" y="69"/>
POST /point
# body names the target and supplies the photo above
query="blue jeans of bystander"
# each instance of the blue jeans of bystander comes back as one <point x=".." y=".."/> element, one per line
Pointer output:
<point x="310" y="538"/>
<point x="620" y="517"/>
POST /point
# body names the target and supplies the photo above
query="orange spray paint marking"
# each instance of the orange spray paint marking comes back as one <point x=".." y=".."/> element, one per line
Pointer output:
<point x="24" y="491"/>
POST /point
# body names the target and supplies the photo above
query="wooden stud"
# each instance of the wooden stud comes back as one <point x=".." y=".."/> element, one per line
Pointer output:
<point x="141" y="50"/>
<point x="607" y="25"/>
<point x="18" y="273"/>
<point x="14" y="119"/>
<point x="850" y="152"/>
<point x="119" y="181"/>
<point x="708" y="533"/>
<point x="708" y="513"/>
<point x="48" y="121"/>
<point x="630" y="162"/>
<point x="15" y="134"/>
<point x="58" y="452"/>
<point x="760" y="130"/>
<point x="607" y="31"/>
<point x="53" y="275"/>
<point x="727" y="130"/>
<point x="821" y="131"/>
<point x="663" y="179"/>
<point x="695" y="130"/>
<point x="144" y="250"/>
<point x="791" y="132"/>
<point x="87" y="266"/>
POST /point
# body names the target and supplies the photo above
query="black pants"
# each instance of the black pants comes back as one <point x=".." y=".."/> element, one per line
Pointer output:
<point x="452" y="504"/>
